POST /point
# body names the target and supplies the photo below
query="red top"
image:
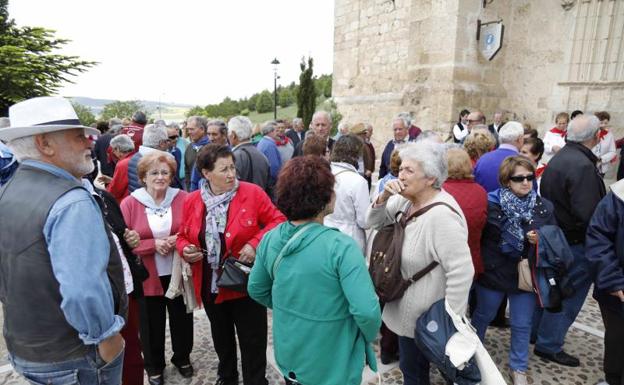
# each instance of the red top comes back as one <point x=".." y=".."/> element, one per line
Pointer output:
<point x="118" y="187"/>
<point x="472" y="198"/>
<point x="250" y="215"/>
<point x="135" y="132"/>
<point x="134" y="214"/>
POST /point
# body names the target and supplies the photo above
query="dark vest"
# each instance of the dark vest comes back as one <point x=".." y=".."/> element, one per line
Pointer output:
<point x="35" y="328"/>
<point x="133" y="173"/>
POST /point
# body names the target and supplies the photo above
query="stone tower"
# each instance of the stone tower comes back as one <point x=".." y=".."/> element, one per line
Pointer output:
<point x="422" y="56"/>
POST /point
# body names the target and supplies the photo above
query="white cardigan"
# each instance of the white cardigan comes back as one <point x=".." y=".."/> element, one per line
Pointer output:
<point x="352" y="200"/>
<point x="438" y="235"/>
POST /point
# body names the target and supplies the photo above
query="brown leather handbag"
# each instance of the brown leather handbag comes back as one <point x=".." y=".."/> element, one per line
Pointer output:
<point x="385" y="261"/>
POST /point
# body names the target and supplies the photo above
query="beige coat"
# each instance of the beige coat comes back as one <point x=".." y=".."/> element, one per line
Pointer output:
<point x="438" y="235"/>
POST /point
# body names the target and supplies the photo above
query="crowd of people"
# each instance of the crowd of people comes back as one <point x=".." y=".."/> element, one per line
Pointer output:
<point x="127" y="224"/>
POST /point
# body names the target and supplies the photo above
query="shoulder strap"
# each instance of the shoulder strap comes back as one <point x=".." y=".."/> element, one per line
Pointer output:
<point x="251" y="173"/>
<point x="423" y="210"/>
<point x="340" y="172"/>
<point x="295" y="236"/>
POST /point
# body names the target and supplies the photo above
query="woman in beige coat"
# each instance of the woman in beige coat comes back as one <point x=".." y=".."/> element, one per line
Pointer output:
<point x="440" y="234"/>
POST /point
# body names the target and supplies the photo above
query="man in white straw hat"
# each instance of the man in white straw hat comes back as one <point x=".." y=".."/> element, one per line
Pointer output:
<point x="61" y="279"/>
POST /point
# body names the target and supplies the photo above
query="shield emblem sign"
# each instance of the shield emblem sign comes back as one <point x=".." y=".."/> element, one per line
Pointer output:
<point x="491" y="39"/>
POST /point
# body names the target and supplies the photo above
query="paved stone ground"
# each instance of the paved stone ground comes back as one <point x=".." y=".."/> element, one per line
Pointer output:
<point x="583" y="341"/>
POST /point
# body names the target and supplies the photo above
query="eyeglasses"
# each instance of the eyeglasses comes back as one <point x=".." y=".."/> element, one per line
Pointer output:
<point x="161" y="172"/>
<point x="521" y="178"/>
<point x="173" y="137"/>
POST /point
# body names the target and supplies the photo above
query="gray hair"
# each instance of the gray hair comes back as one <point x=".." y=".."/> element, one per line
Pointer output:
<point x="241" y="126"/>
<point x="405" y="117"/>
<point x="24" y="148"/>
<point x="343" y="126"/>
<point x="430" y="136"/>
<point x="268" y="127"/>
<point x="160" y="122"/>
<point x="122" y="143"/>
<point x="153" y="135"/>
<point x="199" y="120"/>
<point x="431" y="157"/>
<point x="219" y="123"/>
<point x="4" y="122"/>
<point x="582" y="128"/>
<point x="322" y="112"/>
<point x="510" y="132"/>
<point x="173" y="125"/>
<point x="297" y="121"/>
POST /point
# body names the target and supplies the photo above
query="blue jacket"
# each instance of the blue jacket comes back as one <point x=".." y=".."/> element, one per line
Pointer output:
<point x="486" y="169"/>
<point x="384" y="167"/>
<point x="604" y="248"/>
<point x="268" y="147"/>
<point x="501" y="269"/>
<point x="550" y="268"/>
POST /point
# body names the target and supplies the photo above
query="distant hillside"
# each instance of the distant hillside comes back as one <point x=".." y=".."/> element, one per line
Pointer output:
<point x="96" y="105"/>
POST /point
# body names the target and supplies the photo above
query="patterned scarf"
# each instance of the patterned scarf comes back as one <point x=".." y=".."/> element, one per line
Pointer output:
<point x="216" y="219"/>
<point x="517" y="211"/>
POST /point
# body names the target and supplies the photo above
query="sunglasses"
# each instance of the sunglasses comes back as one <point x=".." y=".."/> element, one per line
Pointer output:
<point x="174" y="137"/>
<point x="521" y="178"/>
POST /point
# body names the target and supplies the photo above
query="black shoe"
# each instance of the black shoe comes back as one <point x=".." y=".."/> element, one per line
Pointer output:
<point x="158" y="379"/>
<point x="561" y="358"/>
<point x="186" y="370"/>
<point x="223" y="381"/>
<point x="388" y="358"/>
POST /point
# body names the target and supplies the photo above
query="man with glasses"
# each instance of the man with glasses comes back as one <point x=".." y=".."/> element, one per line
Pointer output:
<point x="174" y="135"/>
<point x="400" y="126"/>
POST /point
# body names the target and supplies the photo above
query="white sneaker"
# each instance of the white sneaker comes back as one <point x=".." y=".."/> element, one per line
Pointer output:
<point x="518" y="378"/>
<point x="602" y="383"/>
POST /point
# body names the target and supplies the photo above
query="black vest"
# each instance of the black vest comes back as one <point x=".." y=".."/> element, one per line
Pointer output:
<point x="35" y="328"/>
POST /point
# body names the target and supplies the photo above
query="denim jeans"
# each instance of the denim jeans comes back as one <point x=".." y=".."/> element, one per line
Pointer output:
<point x="521" y="307"/>
<point x="550" y="329"/>
<point x="414" y="365"/>
<point x="88" y="370"/>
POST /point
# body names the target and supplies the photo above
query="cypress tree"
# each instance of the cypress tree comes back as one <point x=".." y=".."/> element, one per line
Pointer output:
<point x="306" y="95"/>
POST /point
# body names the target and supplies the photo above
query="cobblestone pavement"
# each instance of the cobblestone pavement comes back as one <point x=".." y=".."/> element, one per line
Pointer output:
<point x="584" y="341"/>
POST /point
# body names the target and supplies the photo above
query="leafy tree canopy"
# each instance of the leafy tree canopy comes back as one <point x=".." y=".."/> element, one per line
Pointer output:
<point x="28" y="65"/>
<point x="85" y="115"/>
<point x="119" y="109"/>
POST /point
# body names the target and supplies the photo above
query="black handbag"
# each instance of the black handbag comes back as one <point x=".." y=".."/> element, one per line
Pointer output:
<point x="234" y="275"/>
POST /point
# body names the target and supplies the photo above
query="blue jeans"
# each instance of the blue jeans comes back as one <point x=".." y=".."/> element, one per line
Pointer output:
<point x="414" y="365"/>
<point x="88" y="370"/>
<point x="550" y="329"/>
<point x="521" y="307"/>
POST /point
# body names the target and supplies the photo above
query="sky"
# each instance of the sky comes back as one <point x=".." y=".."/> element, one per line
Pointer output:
<point x="185" y="51"/>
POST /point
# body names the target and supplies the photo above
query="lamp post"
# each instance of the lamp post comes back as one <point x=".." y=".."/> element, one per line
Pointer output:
<point x="275" y="63"/>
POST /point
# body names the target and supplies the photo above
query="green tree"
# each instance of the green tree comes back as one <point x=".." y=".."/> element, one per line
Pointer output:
<point x="119" y="109"/>
<point x="265" y="102"/>
<point x="28" y="66"/>
<point x="285" y="97"/>
<point x="306" y="97"/>
<point x="253" y="100"/>
<point x="196" y="111"/>
<point x="85" y="115"/>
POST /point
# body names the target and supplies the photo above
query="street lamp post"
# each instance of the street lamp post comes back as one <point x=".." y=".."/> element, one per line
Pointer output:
<point x="275" y="63"/>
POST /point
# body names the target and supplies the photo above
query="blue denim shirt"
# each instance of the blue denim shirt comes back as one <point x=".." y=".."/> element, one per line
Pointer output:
<point x="79" y="251"/>
<point x="268" y="147"/>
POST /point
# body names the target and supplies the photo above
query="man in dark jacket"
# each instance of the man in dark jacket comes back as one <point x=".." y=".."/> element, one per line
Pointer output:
<point x="251" y="165"/>
<point x="605" y="253"/>
<point x="321" y="126"/>
<point x="574" y="186"/>
<point x="400" y="129"/>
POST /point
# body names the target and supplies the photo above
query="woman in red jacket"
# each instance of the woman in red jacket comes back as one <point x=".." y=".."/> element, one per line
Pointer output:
<point x="226" y="218"/>
<point x="155" y="212"/>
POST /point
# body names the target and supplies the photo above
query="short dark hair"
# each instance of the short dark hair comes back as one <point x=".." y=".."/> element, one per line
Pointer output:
<point x="463" y="112"/>
<point x="347" y="149"/>
<point x="139" y="117"/>
<point x="506" y="170"/>
<point x="537" y="146"/>
<point x="575" y="113"/>
<point x="102" y="126"/>
<point x="208" y="155"/>
<point x="603" y="115"/>
<point x="304" y="187"/>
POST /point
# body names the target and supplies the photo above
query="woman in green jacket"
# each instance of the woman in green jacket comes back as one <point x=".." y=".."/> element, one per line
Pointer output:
<point x="325" y="311"/>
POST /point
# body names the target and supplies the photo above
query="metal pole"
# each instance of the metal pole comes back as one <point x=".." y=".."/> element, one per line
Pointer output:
<point x="275" y="95"/>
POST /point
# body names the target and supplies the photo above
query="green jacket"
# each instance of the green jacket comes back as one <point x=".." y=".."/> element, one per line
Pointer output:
<point x="325" y="311"/>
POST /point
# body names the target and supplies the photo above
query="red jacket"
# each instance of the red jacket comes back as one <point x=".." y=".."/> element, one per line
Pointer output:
<point x="250" y="215"/>
<point x="472" y="198"/>
<point x="134" y="214"/>
<point x="118" y="187"/>
<point x="135" y="132"/>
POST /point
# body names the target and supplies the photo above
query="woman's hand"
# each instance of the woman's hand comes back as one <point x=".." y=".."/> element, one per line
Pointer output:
<point x="391" y="188"/>
<point x="192" y="253"/>
<point x="247" y="254"/>
<point x="171" y="240"/>
<point x="532" y="237"/>
<point x="162" y="246"/>
<point x="131" y="237"/>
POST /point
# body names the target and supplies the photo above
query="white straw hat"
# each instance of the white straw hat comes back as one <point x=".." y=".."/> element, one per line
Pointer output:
<point x="42" y="115"/>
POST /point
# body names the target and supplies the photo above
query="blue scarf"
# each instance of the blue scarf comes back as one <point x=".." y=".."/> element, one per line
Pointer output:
<point x="518" y="211"/>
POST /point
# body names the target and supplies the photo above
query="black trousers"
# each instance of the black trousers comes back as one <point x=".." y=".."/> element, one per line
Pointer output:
<point x="247" y="319"/>
<point x="613" y="346"/>
<point x="180" y="328"/>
